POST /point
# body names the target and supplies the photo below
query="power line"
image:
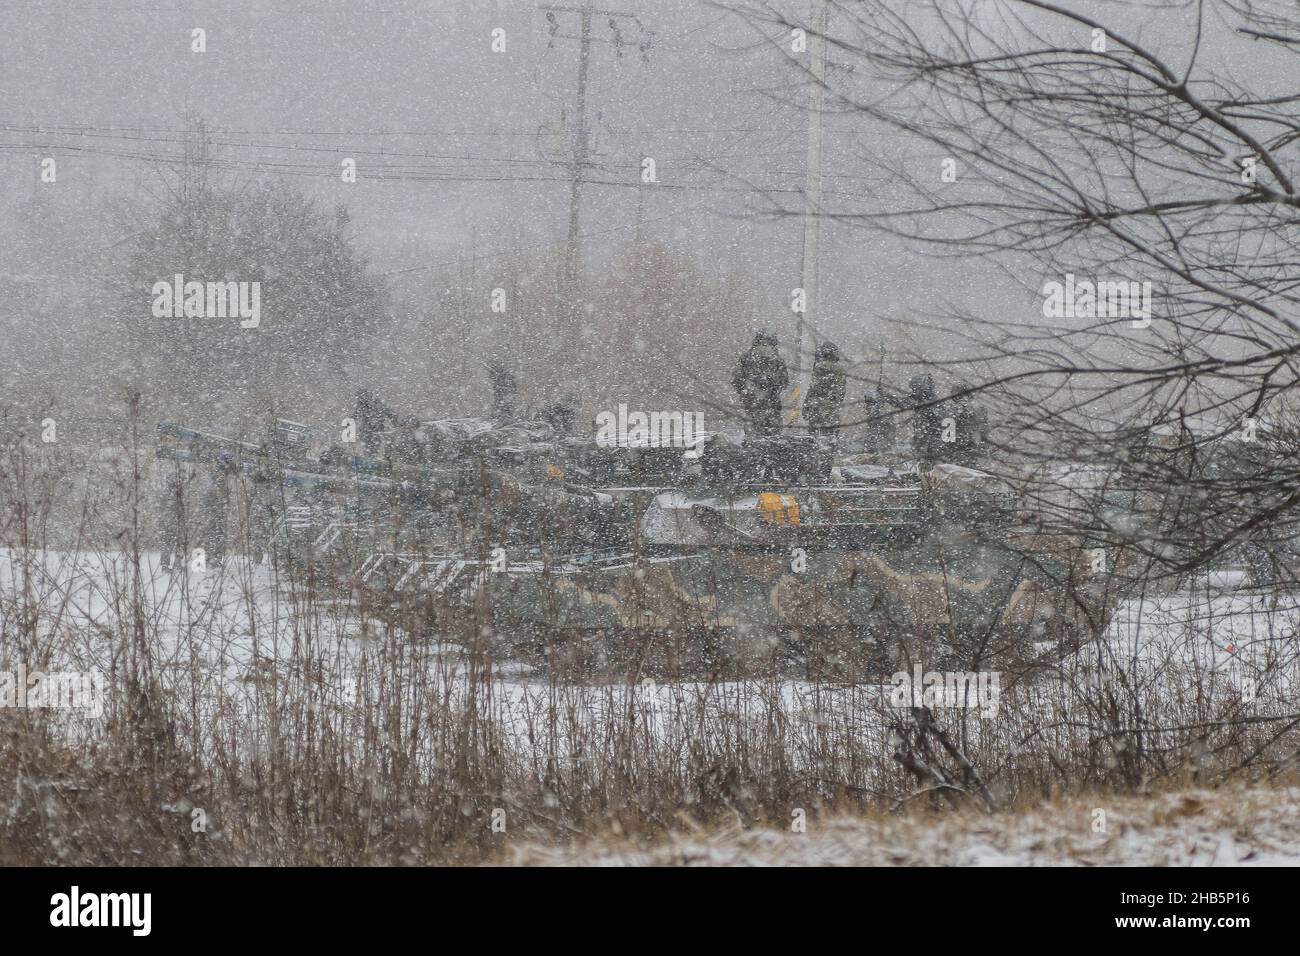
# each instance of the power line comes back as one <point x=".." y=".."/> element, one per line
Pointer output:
<point x="352" y="150"/>
<point x="74" y="128"/>
<point x="420" y="173"/>
<point x="541" y="245"/>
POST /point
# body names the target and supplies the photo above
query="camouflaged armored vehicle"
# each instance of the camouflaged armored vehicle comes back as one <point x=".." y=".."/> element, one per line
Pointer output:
<point x="755" y="554"/>
<point x="813" y="565"/>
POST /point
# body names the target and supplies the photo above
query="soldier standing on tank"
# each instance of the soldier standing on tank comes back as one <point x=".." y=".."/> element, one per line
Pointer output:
<point x="927" y="422"/>
<point x="826" y="393"/>
<point x="961" y="450"/>
<point x="760" y="381"/>
<point x="979" y="420"/>
<point x="504" y="391"/>
<point x="561" y="416"/>
<point x="371" y="418"/>
<point x="882" y="431"/>
<point x="971" y="424"/>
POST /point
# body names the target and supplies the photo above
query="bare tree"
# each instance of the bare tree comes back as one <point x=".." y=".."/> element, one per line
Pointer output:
<point x="1118" y="170"/>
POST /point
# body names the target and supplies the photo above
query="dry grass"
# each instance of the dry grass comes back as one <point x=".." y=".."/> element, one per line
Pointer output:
<point x="1231" y="826"/>
<point x="308" y="731"/>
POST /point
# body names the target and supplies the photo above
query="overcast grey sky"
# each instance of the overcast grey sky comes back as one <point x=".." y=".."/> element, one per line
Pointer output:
<point x="451" y="138"/>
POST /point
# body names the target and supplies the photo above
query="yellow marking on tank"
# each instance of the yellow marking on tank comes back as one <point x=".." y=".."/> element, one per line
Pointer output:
<point x="779" y="509"/>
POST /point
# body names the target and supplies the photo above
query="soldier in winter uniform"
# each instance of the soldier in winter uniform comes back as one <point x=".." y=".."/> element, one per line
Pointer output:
<point x="372" y="420"/>
<point x="560" y="415"/>
<point x="264" y="491"/>
<point x="216" y="504"/>
<point x="504" y="391"/>
<point x="882" y="430"/>
<point x="961" y="450"/>
<point x="979" y="418"/>
<point x="927" y="421"/>
<point x="760" y="381"/>
<point x="172" y="517"/>
<point x="821" y="408"/>
<point x="971" y="424"/>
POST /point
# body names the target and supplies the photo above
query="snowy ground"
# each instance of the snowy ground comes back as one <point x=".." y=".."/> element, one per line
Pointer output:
<point x="234" y="629"/>
<point x="234" y="632"/>
<point x="237" y="619"/>
<point x="1231" y="827"/>
<point x="238" y="614"/>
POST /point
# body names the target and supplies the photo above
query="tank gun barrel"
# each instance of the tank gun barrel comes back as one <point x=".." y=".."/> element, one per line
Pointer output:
<point x="346" y="475"/>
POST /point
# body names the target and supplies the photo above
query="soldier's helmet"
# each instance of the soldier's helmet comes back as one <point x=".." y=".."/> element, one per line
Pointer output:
<point x="827" y="352"/>
<point x="922" y="386"/>
<point x="561" y="415"/>
<point x="764" y="338"/>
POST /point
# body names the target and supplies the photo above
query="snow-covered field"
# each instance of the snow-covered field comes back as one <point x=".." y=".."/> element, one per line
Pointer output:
<point x="238" y="622"/>
<point x="237" y="630"/>
<point x="227" y="641"/>
<point x="232" y="617"/>
<point x="1231" y="827"/>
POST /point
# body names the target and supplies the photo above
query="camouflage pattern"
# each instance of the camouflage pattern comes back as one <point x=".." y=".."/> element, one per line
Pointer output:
<point x="766" y="552"/>
<point x="958" y="592"/>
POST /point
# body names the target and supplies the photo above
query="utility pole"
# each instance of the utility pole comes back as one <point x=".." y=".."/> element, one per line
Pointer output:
<point x="580" y="155"/>
<point x="581" y="149"/>
<point x="812" y="198"/>
<point x="192" y="190"/>
<point x="638" y="237"/>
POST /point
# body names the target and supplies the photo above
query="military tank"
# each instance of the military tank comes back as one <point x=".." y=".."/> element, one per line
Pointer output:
<point x="741" y="555"/>
<point x="813" y="565"/>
